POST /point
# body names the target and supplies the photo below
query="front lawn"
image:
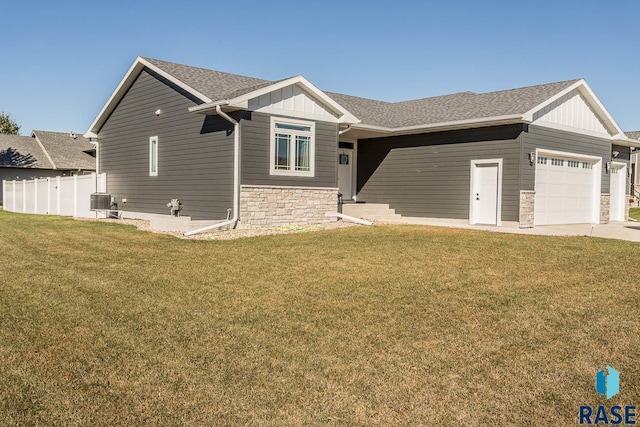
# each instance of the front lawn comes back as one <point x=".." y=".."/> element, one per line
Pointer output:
<point x="102" y="324"/>
<point x="634" y="213"/>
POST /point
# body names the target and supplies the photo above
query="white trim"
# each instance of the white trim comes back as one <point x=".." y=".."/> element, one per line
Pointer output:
<point x="138" y="65"/>
<point x="597" y="175"/>
<point x="558" y="126"/>
<point x="472" y="213"/>
<point x="272" y="142"/>
<point x="151" y="165"/>
<point x="456" y="124"/>
<point x="297" y="114"/>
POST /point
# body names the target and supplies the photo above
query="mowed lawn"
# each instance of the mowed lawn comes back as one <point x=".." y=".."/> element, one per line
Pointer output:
<point x="634" y="213"/>
<point x="102" y="324"/>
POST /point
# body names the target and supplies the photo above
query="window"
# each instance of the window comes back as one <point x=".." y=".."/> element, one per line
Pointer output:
<point x="557" y="162"/>
<point x="153" y="156"/>
<point x="542" y="160"/>
<point x="292" y="147"/>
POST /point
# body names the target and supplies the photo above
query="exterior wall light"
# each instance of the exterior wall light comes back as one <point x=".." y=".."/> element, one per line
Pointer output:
<point x="532" y="158"/>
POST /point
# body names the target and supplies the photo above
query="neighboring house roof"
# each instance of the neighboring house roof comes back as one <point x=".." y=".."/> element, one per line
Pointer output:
<point x="46" y="150"/>
<point x="66" y="150"/>
<point x="22" y="152"/>
<point x="461" y="110"/>
<point x="634" y="134"/>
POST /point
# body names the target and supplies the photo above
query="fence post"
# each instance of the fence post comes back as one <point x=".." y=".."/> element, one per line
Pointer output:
<point x="3" y="195"/>
<point x="35" y="195"/>
<point x="13" y="205"/>
<point x="57" y="195"/>
<point x="48" y="196"/>
<point x="24" y="196"/>
<point x="75" y="195"/>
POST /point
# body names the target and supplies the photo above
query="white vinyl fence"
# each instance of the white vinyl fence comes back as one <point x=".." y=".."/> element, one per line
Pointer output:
<point x="67" y="196"/>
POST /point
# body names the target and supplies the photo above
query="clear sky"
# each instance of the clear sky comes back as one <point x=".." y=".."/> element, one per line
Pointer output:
<point x="61" y="60"/>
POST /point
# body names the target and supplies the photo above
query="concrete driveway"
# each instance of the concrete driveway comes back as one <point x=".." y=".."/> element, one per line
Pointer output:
<point x="616" y="230"/>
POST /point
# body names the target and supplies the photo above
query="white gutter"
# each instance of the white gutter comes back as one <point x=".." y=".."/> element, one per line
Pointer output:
<point x="236" y="178"/>
<point x="345" y="130"/>
<point x="457" y="124"/>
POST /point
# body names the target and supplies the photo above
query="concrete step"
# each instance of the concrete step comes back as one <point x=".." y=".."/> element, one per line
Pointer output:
<point x="371" y="211"/>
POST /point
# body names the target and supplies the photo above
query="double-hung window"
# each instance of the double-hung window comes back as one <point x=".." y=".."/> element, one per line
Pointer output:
<point x="153" y="156"/>
<point x="292" y="147"/>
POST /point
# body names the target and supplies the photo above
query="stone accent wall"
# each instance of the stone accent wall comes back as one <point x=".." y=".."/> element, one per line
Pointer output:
<point x="605" y="206"/>
<point x="268" y="206"/>
<point x="527" y="208"/>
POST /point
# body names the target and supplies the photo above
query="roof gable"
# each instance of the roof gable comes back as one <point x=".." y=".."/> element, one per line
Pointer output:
<point x="576" y="108"/>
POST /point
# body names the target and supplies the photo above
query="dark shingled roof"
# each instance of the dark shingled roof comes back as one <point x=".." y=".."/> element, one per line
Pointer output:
<point x="22" y="152"/>
<point x="439" y="109"/>
<point x="214" y="84"/>
<point x="634" y="134"/>
<point x="67" y="152"/>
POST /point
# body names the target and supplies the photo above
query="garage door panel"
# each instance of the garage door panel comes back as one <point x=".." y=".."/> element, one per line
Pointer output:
<point x="564" y="190"/>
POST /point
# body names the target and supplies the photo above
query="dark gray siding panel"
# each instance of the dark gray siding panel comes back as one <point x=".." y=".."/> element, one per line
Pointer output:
<point x="428" y="175"/>
<point x="256" y="138"/>
<point x="195" y="152"/>
<point x="558" y="140"/>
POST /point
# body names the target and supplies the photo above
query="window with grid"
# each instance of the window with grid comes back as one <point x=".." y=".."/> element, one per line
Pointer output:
<point x="292" y="147"/>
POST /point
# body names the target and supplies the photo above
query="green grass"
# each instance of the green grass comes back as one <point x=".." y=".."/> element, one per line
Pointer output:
<point x="634" y="213"/>
<point x="102" y="324"/>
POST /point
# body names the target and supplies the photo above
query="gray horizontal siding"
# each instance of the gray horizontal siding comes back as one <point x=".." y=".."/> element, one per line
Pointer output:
<point x="428" y="175"/>
<point x="558" y="140"/>
<point x="256" y="138"/>
<point x="195" y="154"/>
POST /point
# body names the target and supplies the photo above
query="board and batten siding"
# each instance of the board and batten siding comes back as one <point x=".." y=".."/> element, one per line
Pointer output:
<point x="256" y="143"/>
<point x="428" y="175"/>
<point x="560" y="140"/>
<point x="195" y="152"/>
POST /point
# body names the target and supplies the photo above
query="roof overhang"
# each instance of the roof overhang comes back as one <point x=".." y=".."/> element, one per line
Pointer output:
<point x="138" y="65"/>
<point x="362" y="131"/>
<point x="241" y="102"/>
<point x="625" y="141"/>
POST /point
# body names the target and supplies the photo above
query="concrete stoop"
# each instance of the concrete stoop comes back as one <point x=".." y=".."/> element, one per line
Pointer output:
<point x="372" y="211"/>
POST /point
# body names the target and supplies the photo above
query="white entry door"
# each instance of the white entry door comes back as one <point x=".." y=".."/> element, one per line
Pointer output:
<point x="345" y="173"/>
<point x="485" y="192"/>
<point x="618" y="180"/>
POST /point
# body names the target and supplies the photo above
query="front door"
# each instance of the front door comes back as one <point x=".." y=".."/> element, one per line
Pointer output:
<point x="617" y="179"/>
<point x="345" y="173"/>
<point x="485" y="193"/>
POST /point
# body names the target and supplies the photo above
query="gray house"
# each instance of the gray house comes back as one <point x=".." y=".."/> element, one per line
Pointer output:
<point x="263" y="152"/>
<point x="44" y="154"/>
<point x="635" y="168"/>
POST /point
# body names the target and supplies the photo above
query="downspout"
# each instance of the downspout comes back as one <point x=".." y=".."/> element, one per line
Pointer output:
<point x="236" y="178"/>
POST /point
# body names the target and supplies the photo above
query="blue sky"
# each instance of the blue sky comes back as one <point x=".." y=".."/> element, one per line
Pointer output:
<point x="62" y="60"/>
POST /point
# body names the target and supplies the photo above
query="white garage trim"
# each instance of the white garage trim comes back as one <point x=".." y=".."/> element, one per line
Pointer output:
<point x="474" y="215"/>
<point x="596" y="162"/>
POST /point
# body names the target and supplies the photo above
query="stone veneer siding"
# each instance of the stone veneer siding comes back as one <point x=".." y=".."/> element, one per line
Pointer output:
<point x="527" y="209"/>
<point x="268" y="206"/>
<point x="605" y="206"/>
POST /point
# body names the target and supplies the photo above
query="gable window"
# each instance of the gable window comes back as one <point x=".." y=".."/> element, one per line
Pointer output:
<point x="153" y="156"/>
<point x="292" y="147"/>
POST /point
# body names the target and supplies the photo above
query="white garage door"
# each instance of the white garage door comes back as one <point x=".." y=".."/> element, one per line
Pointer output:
<point x="565" y="190"/>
